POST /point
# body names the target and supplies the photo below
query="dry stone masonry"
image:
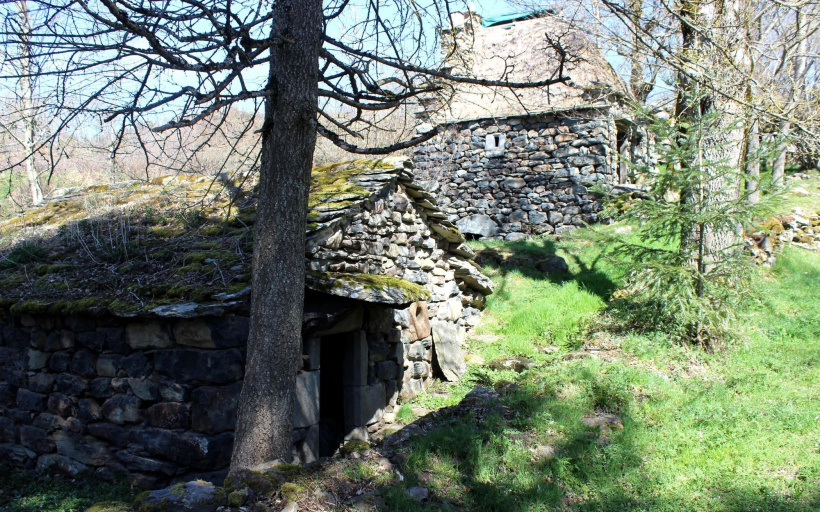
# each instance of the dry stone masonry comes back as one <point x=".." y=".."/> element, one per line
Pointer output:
<point x="152" y="393"/>
<point x="516" y="176"/>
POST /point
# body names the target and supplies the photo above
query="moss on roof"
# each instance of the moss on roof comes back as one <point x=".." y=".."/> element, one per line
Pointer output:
<point x="130" y="248"/>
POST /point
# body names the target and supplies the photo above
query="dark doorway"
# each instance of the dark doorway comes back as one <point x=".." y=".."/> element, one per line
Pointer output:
<point x="331" y="393"/>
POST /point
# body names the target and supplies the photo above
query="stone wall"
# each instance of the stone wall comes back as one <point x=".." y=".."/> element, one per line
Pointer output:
<point x="156" y="398"/>
<point x="537" y="181"/>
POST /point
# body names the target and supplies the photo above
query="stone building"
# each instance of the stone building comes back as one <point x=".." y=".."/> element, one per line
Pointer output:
<point x="513" y="162"/>
<point x="124" y="318"/>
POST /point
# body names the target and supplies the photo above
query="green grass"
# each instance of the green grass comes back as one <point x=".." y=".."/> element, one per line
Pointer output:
<point x="736" y="430"/>
<point x="27" y="491"/>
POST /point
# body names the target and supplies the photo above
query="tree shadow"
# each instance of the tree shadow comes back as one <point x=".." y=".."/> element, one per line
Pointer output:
<point x="478" y="456"/>
<point x="524" y="256"/>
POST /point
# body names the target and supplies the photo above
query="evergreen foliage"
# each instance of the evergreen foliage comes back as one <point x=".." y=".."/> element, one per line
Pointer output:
<point x="675" y="282"/>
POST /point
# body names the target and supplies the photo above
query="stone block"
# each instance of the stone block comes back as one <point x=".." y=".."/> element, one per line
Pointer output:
<point x="193" y="333"/>
<point x="31" y="401"/>
<point x="144" y="464"/>
<point x="192" y="449"/>
<point x="116" y="342"/>
<point x="447" y="340"/>
<point x="144" y="389"/>
<point x="59" y="361"/>
<point x="100" y="388"/>
<point x="173" y="392"/>
<point x="200" y="367"/>
<point x="306" y="399"/>
<point x="147" y="335"/>
<point x="419" y="321"/>
<point x="170" y="415"/>
<point x="84" y="449"/>
<point x="114" y="434"/>
<point x="108" y="365"/>
<point x="37" y="359"/>
<point x="306" y="445"/>
<point x="89" y="410"/>
<point x="41" y="382"/>
<point x="364" y="404"/>
<point x="71" y="384"/>
<point x="122" y="409"/>
<point x="36" y="439"/>
<point x="355" y="360"/>
<point x="135" y="365"/>
<point x="65" y="465"/>
<point x="387" y="370"/>
<point x="9" y="432"/>
<point x="61" y="405"/>
<point x="84" y="363"/>
<point x="92" y="339"/>
<point x="229" y="331"/>
<point x="311" y="353"/>
<point x="62" y="340"/>
<point x="214" y="408"/>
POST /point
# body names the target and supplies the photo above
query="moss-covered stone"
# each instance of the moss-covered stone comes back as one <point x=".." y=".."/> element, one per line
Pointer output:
<point x="110" y="506"/>
<point x="237" y="498"/>
<point x="292" y="492"/>
<point x="368" y="287"/>
<point x="355" y="445"/>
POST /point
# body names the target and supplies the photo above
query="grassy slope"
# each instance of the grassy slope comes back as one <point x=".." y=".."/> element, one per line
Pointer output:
<point x="733" y="431"/>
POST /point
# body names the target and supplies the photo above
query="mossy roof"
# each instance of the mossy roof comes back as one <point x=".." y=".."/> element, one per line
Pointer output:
<point x="175" y="246"/>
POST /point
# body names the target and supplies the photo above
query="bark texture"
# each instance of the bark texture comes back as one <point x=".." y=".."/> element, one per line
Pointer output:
<point x="263" y="430"/>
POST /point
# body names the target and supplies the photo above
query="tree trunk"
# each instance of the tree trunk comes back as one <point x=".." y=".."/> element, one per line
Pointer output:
<point x="753" y="162"/>
<point x="264" y="424"/>
<point x="719" y="156"/>
<point x="27" y="110"/>
<point x="779" y="164"/>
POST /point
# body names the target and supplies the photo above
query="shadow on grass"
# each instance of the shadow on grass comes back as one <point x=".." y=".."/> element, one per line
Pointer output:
<point x="479" y="457"/>
<point x="524" y="256"/>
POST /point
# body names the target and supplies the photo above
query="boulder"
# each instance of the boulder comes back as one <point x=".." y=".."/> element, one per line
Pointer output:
<point x="516" y="364"/>
<point x="447" y="340"/>
<point x="61" y="463"/>
<point x="147" y="335"/>
<point x="552" y="265"/>
<point x="478" y="225"/>
<point x="122" y="409"/>
<point x="171" y="415"/>
<point x="197" y="496"/>
<point x="186" y="448"/>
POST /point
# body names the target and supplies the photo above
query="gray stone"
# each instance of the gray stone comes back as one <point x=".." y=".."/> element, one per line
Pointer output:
<point x="186" y="448"/>
<point x="364" y="404"/>
<point x="31" y="401"/>
<point x="71" y="384"/>
<point x="41" y="382"/>
<point x="108" y="364"/>
<point x="36" y="439"/>
<point x="84" y="363"/>
<point x="144" y="389"/>
<point x="193" y="333"/>
<point x="84" y="449"/>
<point x="93" y="340"/>
<point x="213" y="409"/>
<point x="136" y="365"/>
<point x="89" y="410"/>
<point x="200" y="367"/>
<point x="552" y="265"/>
<point x="37" y="359"/>
<point x="114" y="434"/>
<point x="306" y="400"/>
<point x="478" y="225"/>
<point x="447" y="340"/>
<point x="122" y="409"/>
<point x="100" y="388"/>
<point x="417" y="493"/>
<point x="145" y="464"/>
<point x="61" y="405"/>
<point x="171" y="415"/>
<point x="387" y="370"/>
<point x="59" y="361"/>
<point x="63" y="464"/>
<point x="356" y="360"/>
<point x="196" y="496"/>
<point x="419" y="321"/>
<point x="515" y="237"/>
<point x="147" y="335"/>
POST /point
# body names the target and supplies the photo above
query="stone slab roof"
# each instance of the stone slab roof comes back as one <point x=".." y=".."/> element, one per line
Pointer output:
<point x="181" y="246"/>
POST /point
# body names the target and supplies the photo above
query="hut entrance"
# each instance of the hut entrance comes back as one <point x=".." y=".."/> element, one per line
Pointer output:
<point x="332" y="392"/>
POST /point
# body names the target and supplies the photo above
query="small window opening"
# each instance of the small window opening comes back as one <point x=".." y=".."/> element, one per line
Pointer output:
<point x="494" y="141"/>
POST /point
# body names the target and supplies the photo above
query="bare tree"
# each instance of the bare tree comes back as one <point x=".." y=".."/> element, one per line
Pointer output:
<point x="168" y="66"/>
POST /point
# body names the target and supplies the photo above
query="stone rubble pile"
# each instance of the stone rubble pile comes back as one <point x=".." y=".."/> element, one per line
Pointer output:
<point x="800" y="229"/>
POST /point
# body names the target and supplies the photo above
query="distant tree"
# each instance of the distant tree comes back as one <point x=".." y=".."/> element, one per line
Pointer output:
<point x="171" y="65"/>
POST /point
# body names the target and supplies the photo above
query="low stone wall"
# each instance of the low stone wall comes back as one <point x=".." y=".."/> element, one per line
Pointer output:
<point x="537" y="180"/>
<point x="151" y="398"/>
